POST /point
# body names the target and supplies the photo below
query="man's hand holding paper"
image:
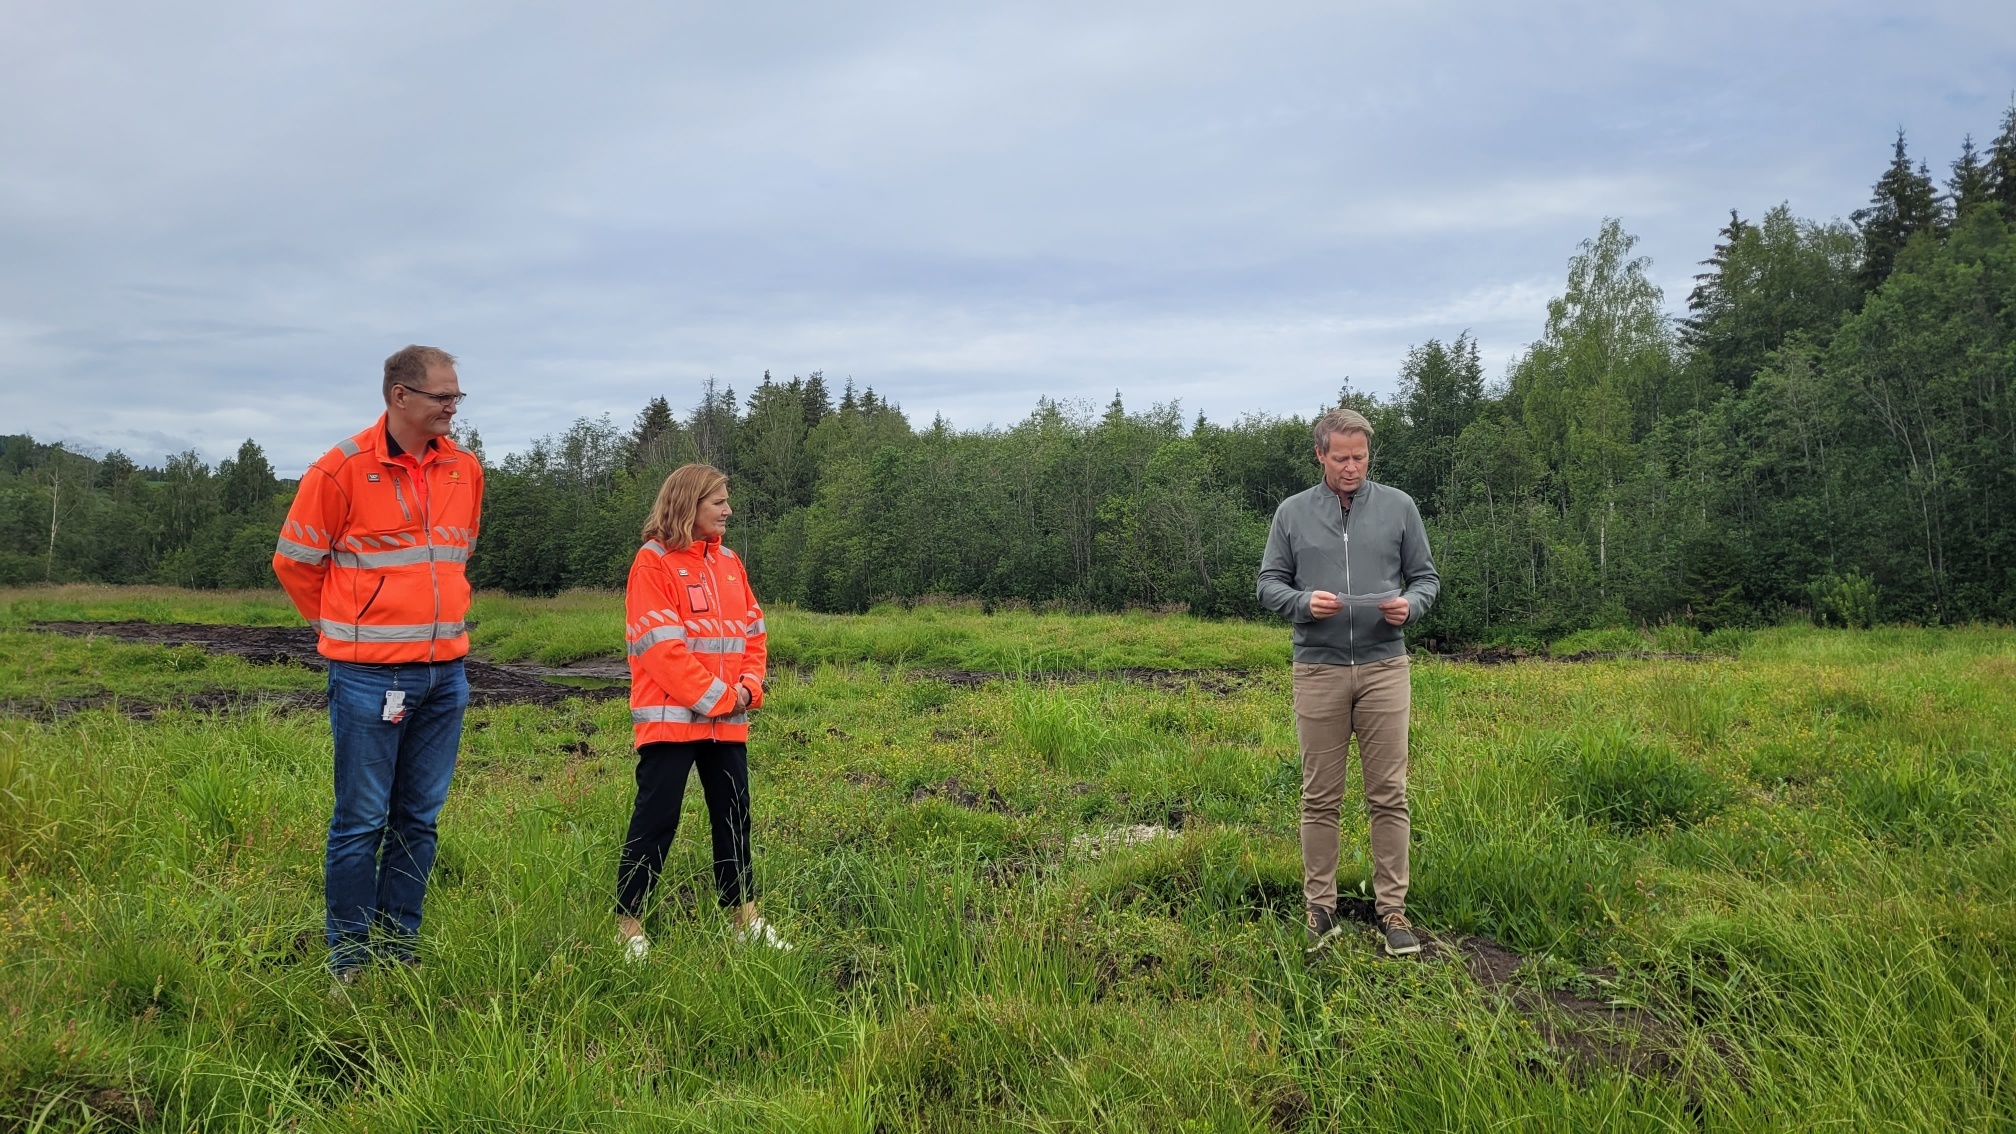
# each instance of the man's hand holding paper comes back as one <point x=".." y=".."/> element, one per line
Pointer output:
<point x="1391" y="604"/>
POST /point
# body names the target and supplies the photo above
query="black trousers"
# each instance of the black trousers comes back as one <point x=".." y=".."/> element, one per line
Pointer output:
<point x="661" y="792"/>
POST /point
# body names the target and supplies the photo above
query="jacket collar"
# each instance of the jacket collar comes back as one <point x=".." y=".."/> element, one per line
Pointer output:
<point x="378" y="439"/>
<point x="1322" y="491"/>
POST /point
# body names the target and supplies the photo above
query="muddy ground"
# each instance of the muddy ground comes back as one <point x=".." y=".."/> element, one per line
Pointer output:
<point x="489" y="683"/>
<point x="492" y="683"/>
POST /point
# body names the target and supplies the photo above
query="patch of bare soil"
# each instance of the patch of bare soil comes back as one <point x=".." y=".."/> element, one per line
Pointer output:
<point x="489" y="683"/>
<point x="1589" y="1034"/>
<point x="954" y="792"/>
<point x="121" y="1107"/>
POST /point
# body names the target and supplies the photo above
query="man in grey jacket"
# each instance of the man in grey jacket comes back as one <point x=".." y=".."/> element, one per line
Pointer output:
<point x="1347" y="562"/>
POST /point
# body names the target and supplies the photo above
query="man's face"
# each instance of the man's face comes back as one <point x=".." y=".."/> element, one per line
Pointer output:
<point x="1345" y="460"/>
<point x="417" y="412"/>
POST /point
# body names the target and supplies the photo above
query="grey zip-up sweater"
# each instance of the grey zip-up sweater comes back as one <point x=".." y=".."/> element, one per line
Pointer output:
<point x="1376" y="546"/>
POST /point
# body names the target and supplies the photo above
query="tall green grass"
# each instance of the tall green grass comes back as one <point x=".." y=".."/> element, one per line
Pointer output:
<point x="1826" y="946"/>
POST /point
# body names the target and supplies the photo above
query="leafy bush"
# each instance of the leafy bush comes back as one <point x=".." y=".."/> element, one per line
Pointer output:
<point x="1844" y="600"/>
<point x="1614" y="778"/>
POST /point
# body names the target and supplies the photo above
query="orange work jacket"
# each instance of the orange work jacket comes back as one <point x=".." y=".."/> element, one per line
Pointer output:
<point x="376" y="565"/>
<point x="695" y="633"/>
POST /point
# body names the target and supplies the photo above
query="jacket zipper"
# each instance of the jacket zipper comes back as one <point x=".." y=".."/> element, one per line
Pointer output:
<point x="433" y="574"/>
<point x="1350" y="611"/>
<point x="401" y="498"/>
<point x="720" y="613"/>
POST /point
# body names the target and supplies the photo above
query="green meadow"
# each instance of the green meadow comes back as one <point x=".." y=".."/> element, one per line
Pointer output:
<point x="1769" y="886"/>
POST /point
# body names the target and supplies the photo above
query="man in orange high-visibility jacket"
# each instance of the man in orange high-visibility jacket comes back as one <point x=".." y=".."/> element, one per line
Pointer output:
<point x="373" y="554"/>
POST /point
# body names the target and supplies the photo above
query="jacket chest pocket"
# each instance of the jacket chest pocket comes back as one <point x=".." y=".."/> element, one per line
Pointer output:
<point x="696" y="599"/>
<point x="448" y="500"/>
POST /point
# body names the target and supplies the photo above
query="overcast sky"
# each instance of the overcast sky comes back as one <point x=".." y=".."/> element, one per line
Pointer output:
<point x="216" y="220"/>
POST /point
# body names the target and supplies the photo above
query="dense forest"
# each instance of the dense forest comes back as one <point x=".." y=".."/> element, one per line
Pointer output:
<point x="1829" y="429"/>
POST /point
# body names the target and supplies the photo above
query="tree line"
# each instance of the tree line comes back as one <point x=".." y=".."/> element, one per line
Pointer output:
<point x="1830" y="428"/>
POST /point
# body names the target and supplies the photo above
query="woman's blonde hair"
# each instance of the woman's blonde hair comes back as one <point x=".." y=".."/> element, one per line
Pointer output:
<point x="670" y="520"/>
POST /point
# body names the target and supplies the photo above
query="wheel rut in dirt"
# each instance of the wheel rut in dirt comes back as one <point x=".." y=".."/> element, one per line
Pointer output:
<point x="489" y="683"/>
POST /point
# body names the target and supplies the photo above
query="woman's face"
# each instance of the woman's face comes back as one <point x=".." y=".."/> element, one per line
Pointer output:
<point x="711" y="521"/>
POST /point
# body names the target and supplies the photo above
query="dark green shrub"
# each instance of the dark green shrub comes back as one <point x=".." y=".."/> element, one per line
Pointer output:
<point x="1844" y="600"/>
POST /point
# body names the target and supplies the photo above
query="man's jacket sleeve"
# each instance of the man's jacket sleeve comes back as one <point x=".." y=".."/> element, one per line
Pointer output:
<point x="301" y="558"/>
<point x="1417" y="567"/>
<point x="656" y="633"/>
<point x="476" y="509"/>
<point x="1276" y="588"/>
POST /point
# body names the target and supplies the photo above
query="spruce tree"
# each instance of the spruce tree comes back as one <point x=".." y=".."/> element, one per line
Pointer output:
<point x="1712" y="294"/>
<point x="1972" y="184"/>
<point x="1904" y="204"/>
<point x="2002" y="165"/>
<point x="713" y="424"/>
<point x="818" y="403"/>
<point x="651" y="438"/>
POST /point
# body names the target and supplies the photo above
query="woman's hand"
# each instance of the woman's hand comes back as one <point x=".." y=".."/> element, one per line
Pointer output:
<point x="741" y="697"/>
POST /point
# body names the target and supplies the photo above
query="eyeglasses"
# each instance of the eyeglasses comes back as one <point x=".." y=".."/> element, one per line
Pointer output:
<point x="444" y="399"/>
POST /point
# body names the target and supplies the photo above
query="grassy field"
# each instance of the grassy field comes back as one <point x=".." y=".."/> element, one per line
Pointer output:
<point x="1769" y="890"/>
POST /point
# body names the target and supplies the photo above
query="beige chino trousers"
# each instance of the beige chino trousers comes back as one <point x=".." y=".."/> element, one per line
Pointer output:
<point x="1333" y="703"/>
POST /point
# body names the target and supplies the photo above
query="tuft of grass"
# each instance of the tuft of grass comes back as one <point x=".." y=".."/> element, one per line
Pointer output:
<point x="1615" y="640"/>
<point x="1920" y="798"/>
<point x="1611" y="776"/>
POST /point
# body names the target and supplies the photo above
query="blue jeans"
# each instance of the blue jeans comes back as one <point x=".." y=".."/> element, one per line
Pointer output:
<point x="391" y="780"/>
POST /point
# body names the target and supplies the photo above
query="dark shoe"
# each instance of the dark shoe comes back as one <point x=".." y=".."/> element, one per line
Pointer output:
<point x="1399" y="936"/>
<point x="1322" y="930"/>
<point x="342" y="980"/>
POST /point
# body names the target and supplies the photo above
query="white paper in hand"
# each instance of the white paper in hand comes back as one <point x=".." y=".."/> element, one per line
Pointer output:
<point x="1368" y="600"/>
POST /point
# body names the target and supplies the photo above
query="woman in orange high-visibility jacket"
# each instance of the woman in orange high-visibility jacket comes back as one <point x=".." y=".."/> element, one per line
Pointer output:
<point x="695" y="639"/>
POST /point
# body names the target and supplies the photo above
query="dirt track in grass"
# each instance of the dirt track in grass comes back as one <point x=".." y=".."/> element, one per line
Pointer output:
<point x="492" y="683"/>
<point x="489" y="684"/>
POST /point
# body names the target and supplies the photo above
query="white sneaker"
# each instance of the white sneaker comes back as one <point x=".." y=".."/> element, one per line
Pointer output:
<point x="758" y="932"/>
<point x="636" y="948"/>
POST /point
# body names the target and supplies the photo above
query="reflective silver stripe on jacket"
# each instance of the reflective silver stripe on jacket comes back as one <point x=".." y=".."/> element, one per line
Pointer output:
<point x="673" y="714"/>
<point x="655" y="546"/>
<point x="652" y="638"/>
<point x="712" y="697"/>
<point x="348" y="447"/>
<point x="417" y="632"/>
<point x="755" y="628"/>
<point x="717" y="645"/>
<point x="402" y="557"/>
<point x="300" y="552"/>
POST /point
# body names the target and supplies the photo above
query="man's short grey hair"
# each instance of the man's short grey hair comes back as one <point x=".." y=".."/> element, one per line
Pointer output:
<point x="409" y="366"/>
<point x="1340" y="421"/>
